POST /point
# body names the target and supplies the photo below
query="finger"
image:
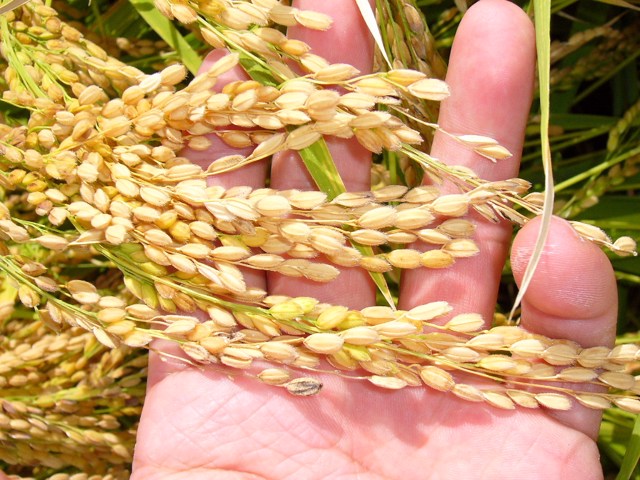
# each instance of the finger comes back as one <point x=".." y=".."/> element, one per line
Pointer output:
<point x="348" y="41"/>
<point x="491" y="81"/>
<point x="572" y="296"/>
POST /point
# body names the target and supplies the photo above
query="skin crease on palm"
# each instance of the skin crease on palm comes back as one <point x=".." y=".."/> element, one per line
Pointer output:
<point x="201" y="424"/>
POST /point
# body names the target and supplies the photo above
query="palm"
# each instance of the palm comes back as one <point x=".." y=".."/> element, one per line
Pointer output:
<point x="219" y="428"/>
<point x="200" y="424"/>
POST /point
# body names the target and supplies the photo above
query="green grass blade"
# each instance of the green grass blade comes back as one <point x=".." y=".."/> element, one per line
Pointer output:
<point x="319" y="163"/>
<point x="621" y="3"/>
<point x="632" y="454"/>
<point x="257" y="71"/>
<point x="598" y="169"/>
<point x="121" y="19"/>
<point x="542" y="10"/>
<point x="169" y="33"/>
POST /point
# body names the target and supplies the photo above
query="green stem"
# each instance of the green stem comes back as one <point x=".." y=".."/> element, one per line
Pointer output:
<point x="596" y="170"/>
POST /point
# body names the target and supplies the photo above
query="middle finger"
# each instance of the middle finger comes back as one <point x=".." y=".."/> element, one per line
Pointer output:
<point x="348" y="41"/>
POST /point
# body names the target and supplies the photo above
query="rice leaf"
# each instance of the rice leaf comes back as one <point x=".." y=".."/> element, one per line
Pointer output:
<point x="632" y="453"/>
<point x="542" y="10"/>
<point x="613" y="436"/>
<point x="320" y="165"/>
<point x="257" y="71"/>
<point x="121" y="19"/>
<point x="169" y="33"/>
<point x="621" y="3"/>
<point x="598" y="169"/>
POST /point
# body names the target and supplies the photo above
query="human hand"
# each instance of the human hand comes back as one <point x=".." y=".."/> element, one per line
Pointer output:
<point x="200" y="424"/>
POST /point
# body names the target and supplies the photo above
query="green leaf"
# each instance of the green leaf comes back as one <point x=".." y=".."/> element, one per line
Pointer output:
<point x="621" y="3"/>
<point x="169" y="33"/>
<point x="632" y="454"/>
<point x="257" y="71"/>
<point x="320" y="165"/>
<point x="581" y="121"/>
<point x="597" y="169"/>
<point x="615" y="208"/>
<point x="542" y="10"/>
<point x="122" y="20"/>
<point x="611" y="442"/>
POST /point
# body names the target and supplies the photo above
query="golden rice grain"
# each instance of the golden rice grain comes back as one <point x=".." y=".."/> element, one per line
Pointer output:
<point x="523" y="398"/>
<point x="324" y="343"/>
<point x="437" y="378"/>
<point x="391" y="383"/>
<point x="274" y="376"/>
<point x="465" y="323"/>
<point x="499" y="400"/>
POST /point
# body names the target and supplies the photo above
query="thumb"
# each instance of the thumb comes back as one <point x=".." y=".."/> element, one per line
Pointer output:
<point x="572" y="296"/>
